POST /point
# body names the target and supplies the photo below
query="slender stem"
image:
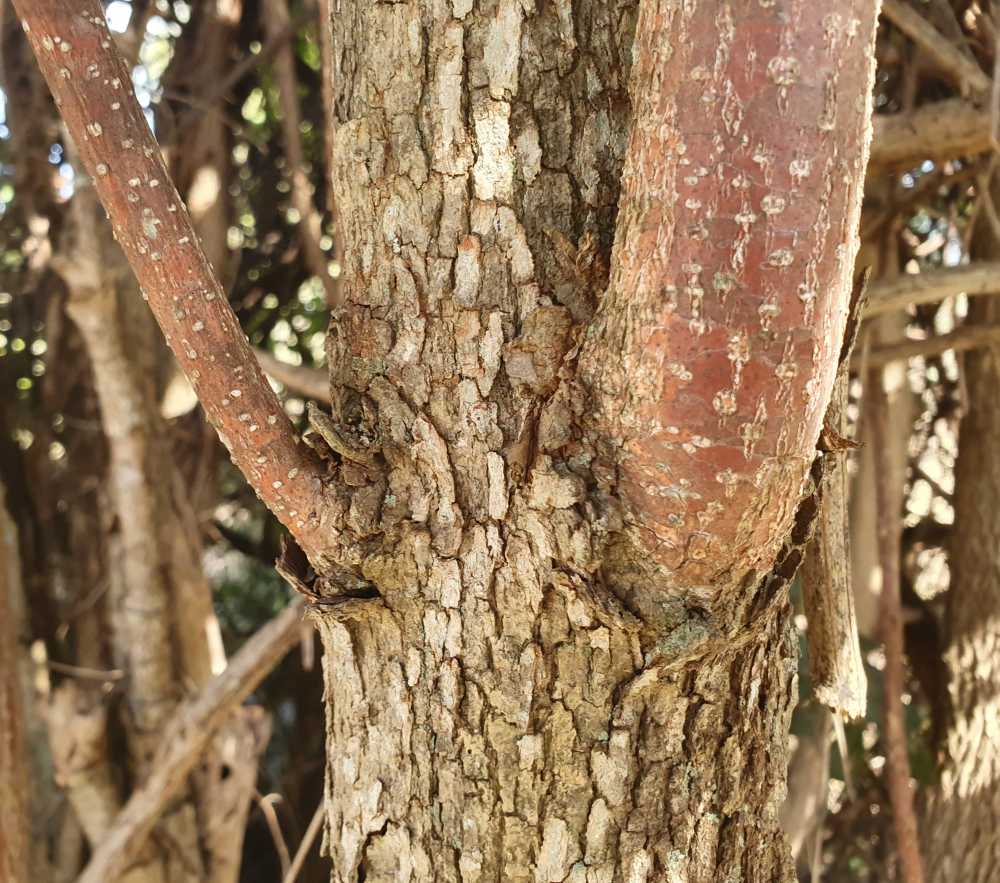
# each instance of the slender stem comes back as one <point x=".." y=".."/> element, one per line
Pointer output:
<point x="966" y="337"/>
<point x="93" y="90"/>
<point x="307" y="841"/>
<point x="276" y="20"/>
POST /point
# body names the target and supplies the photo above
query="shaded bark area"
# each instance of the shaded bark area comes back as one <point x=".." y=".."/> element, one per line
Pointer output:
<point x="533" y="698"/>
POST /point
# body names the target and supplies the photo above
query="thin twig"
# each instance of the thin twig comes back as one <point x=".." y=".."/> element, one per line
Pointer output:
<point x="966" y="337"/>
<point x="307" y="841"/>
<point x="274" y="42"/>
<point x="80" y="671"/>
<point x="311" y="383"/>
<point x="891" y="630"/>
<point x="266" y="804"/>
<point x="900" y="292"/>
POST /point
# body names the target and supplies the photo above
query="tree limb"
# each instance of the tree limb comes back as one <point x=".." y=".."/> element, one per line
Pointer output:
<point x="276" y="20"/>
<point x="701" y="365"/>
<point x="967" y="337"/>
<point x="181" y="747"/>
<point x="93" y="89"/>
<point x="948" y="57"/>
<point x="932" y="286"/>
<point x="939" y="131"/>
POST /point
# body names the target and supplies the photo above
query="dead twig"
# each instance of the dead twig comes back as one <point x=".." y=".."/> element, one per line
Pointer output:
<point x="266" y="804"/>
<point x="307" y="841"/>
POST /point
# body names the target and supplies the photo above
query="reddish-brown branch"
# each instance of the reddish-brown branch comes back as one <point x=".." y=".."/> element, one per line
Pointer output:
<point x="93" y="90"/>
<point x="939" y="131"/>
<point x="891" y="631"/>
<point x="731" y="273"/>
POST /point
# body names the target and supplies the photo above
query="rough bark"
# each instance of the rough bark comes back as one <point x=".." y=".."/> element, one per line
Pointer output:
<point x="547" y="688"/>
<point x="530" y="699"/>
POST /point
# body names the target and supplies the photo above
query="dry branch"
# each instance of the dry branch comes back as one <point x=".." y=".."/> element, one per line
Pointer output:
<point x="967" y="337"/>
<point x="93" y="89"/>
<point x="939" y="131"/>
<point x="945" y="54"/>
<point x="835" y="667"/>
<point x="194" y="725"/>
<point x="891" y="631"/>
<point x="934" y="285"/>
<point x="299" y="379"/>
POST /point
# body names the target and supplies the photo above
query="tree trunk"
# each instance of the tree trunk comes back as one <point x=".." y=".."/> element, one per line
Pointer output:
<point x="963" y="820"/>
<point x="579" y="668"/>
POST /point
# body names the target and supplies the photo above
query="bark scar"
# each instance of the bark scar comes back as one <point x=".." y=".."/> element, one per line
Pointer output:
<point x="336" y="439"/>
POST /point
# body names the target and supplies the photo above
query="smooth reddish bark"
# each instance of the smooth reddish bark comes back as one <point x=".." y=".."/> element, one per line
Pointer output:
<point x="731" y="273"/>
